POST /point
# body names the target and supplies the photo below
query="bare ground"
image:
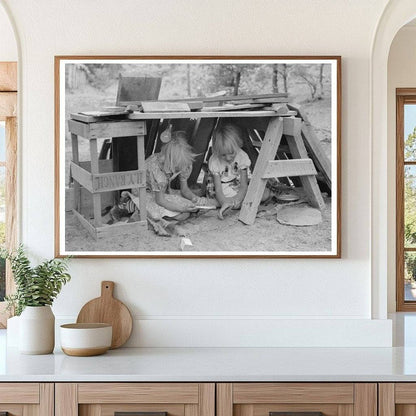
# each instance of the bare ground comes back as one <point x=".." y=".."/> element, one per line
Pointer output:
<point x="208" y="233"/>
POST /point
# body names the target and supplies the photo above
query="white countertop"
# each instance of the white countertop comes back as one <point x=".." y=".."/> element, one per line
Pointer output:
<point x="213" y="364"/>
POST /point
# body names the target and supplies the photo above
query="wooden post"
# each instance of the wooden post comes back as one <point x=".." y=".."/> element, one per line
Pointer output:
<point x="75" y="159"/>
<point x="96" y="198"/>
<point x="257" y="184"/>
<point x="309" y="183"/>
<point x="140" y="166"/>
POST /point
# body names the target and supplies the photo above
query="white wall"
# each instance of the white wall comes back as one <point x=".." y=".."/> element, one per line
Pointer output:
<point x="8" y="47"/>
<point x="179" y="302"/>
<point x="401" y="74"/>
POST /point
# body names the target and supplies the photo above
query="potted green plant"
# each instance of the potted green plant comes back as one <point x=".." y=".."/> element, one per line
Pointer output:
<point x="36" y="289"/>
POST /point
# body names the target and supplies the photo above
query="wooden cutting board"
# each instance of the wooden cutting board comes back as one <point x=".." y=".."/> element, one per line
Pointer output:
<point x="107" y="309"/>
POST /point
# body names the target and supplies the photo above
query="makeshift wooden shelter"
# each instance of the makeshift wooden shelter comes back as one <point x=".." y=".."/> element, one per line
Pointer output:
<point x="277" y="137"/>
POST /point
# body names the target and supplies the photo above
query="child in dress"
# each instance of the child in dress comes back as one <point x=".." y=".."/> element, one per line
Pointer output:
<point x="174" y="160"/>
<point x="229" y="166"/>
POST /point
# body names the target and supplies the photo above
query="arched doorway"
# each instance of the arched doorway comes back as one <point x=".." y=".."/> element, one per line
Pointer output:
<point x="396" y="14"/>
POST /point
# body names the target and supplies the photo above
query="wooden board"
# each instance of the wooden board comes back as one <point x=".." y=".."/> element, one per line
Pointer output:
<point x="136" y="115"/>
<point x="164" y="106"/>
<point x="107" y="309"/>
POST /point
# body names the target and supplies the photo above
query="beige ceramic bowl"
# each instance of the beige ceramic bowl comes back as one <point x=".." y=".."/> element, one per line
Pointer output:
<point x="83" y="340"/>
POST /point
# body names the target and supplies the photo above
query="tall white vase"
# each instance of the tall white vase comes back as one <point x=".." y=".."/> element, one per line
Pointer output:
<point x="37" y="330"/>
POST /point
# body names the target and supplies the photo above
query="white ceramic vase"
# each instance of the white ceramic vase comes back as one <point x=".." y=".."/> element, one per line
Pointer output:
<point x="37" y="330"/>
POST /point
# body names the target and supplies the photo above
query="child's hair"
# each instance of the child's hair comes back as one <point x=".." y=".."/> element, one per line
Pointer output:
<point x="227" y="139"/>
<point x="178" y="154"/>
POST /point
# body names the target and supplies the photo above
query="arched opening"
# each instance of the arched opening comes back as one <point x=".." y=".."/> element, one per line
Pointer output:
<point x="8" y="148"/>
<point x="396" y="15"/>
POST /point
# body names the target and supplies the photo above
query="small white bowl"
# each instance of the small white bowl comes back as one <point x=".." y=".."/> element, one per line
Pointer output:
<point x="83" y="340"/>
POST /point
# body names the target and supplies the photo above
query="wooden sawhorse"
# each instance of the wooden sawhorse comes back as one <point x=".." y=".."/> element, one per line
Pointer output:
<point x="267" y="167"/>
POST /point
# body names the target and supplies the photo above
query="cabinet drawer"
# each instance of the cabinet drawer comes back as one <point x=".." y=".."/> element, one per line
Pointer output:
<point x="21" y="399"/>
<point x="296" y="399"/>
<point x="107" y="399"/>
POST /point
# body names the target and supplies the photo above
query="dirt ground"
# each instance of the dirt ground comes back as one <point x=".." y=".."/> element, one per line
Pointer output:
<point x="208" y="233"/>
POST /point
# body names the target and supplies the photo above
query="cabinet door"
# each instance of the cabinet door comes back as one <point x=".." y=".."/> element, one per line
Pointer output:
<point x="397" y="399"/>
<point x="145" y="399"/>
<point x="297" y="399"/>
<point x="27" y="399"/>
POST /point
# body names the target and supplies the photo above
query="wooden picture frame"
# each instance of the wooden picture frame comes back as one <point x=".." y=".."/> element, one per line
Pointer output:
<point x="114" y="112"/>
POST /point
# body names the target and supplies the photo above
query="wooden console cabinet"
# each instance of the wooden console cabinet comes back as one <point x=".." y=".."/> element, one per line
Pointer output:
<point x="27" y="399"/>
<point x="208" y="399"/>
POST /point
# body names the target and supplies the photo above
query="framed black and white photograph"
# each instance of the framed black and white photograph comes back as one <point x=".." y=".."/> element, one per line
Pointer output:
<point x="198" y="156"/>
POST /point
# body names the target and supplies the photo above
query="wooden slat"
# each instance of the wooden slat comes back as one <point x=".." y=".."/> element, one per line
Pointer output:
<point x="66" y="399"/>
<point x="386" y="399"/>
<point x="138" y="393"/>
<point x="235" y="107"/>
<point x="8" y="76"/>
<point x="309" y="183"/>
<point x="294" y="167"/>
<point x="105" y="182"/>
<point x="207" y="399"/>
<point x="123" y="128"/>
<point x="257" y="184"/>
<point x="83" y="177"/>
<point x="142" y="180"/>
<point x="47" y="399"/>
<point x="200" y="142"/>
<point x="365" y="399"/>
<point x="79" y="128"/>
<point x="164" y="106"/>
<point x="314" y="147"/>
<point x="27" y="393"/>
<point x="405" y="393"/>
<point x="85" y="223"/>
<point x="237" y="98"/>
<point x="252" y="393"/>
<point x="8" y="105"/>
<point x="224" y="399"/>
<point x="121" y="228"/>
<point x="215" y="114"/>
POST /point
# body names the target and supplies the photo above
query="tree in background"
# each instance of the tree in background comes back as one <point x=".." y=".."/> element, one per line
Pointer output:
<point x="410" y="205"/>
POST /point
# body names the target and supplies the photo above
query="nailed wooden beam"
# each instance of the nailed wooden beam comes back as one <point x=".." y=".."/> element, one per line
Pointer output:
<point x="293" y="167"/>
<point x="314" y="147"/>
<point x="8" y="76"/>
